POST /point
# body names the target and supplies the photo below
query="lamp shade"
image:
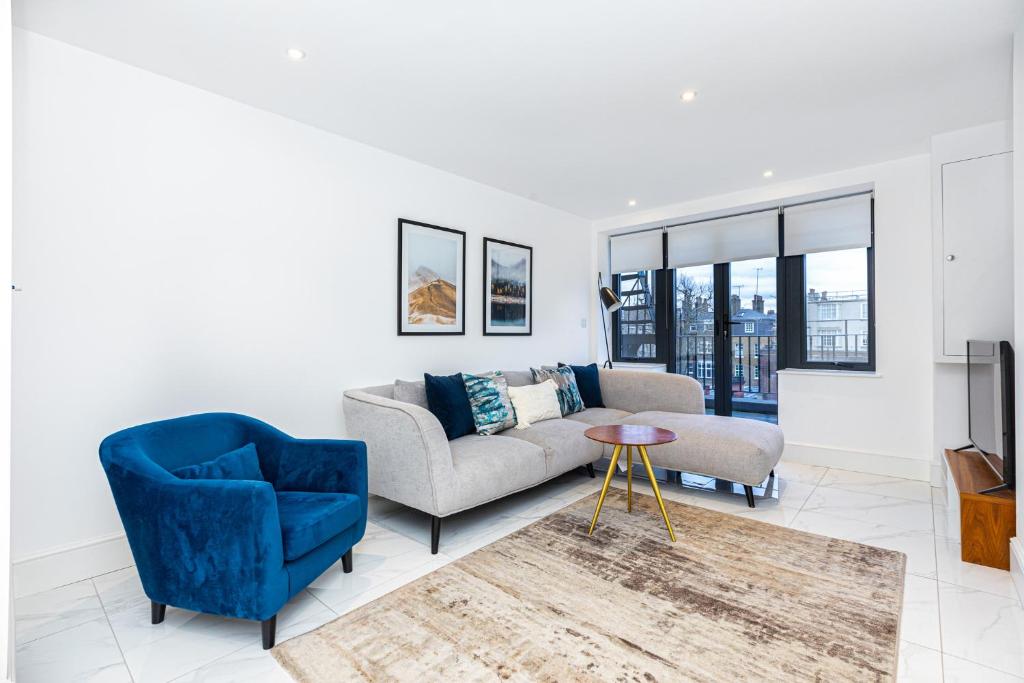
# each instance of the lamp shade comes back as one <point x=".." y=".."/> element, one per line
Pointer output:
<point x="610" y="299"/>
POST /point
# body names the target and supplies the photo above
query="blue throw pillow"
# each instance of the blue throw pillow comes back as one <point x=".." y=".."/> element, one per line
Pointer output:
<point x="239" y="464"/>
<point x="589" y="383"/>
<point x="448" y="401"/>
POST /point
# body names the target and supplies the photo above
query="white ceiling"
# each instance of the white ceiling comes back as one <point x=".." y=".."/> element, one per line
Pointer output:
<point x="575" y="103"/>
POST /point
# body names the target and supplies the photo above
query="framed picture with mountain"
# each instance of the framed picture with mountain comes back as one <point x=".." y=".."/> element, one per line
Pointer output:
<point x="508" y="288"/>
<point x="431" y="279"/>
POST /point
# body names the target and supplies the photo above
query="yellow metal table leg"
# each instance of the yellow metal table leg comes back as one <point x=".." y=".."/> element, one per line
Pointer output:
<point x="604" y="489"/>
<point x="629" y="478"/>
<point x="657" y="493"/>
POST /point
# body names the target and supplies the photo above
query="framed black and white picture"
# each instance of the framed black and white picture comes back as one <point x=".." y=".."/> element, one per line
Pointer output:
<point x="431" y="279"/>
<point x="508" y="288"/>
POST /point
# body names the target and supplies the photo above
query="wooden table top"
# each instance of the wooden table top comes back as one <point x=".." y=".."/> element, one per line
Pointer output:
<point x="630" y="435"/>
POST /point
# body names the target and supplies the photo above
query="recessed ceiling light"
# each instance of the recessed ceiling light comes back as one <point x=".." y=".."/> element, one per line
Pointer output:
<point x="769" y="173"/>
<point x="688" y="95"/>
<point x="632" y="202"/>
<point x="295" y="54"/>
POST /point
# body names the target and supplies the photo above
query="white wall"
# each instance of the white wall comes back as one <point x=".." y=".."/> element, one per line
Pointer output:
<point x="6" y="168"/>
<point x="1016" y="545"/>
<point x="880" y="423"/>
<point x="180" y="252"/>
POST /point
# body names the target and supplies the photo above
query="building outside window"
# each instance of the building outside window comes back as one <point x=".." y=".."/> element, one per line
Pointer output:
<point x="635" y="339"/>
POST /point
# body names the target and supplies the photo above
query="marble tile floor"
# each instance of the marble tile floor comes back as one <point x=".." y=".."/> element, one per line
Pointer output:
<point x="960" y="622"/>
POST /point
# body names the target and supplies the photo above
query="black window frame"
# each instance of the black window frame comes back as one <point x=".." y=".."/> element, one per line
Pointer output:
<point x="791" y="274"/>
<point x="662" y="322"/>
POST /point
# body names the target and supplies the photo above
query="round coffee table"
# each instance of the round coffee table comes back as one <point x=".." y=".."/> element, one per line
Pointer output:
<point x="630" y="436"/>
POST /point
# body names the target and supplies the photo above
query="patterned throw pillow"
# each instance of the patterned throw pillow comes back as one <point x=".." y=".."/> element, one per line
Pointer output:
<point x="565" y="383"/>
<point x="488" y="398"/>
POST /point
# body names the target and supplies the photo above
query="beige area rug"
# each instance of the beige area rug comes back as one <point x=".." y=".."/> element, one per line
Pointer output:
<point x="732" y="600"/>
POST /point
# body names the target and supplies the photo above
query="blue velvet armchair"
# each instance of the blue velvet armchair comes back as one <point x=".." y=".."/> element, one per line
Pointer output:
<point x="234" y="547"/>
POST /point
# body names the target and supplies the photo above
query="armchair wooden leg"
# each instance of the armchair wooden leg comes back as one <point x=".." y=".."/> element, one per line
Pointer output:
<point x="269" y="628"/>
<point x="435" y="533"/>
<point x="749" y="490"/>
<point x="157" y="612"/>
<point x="346" y="562"/>
<point x="590" y="470"/>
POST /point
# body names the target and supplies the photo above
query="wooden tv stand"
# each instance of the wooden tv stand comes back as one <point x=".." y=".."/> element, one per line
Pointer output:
<point x="987" y="521"/>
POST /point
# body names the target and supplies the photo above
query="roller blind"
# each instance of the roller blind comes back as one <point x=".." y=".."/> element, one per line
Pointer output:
<point x="736" y="238"/>
<point x="639" y="251"/>
<point x="829" y="225"/>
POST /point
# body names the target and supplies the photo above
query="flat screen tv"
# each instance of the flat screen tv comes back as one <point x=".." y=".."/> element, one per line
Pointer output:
<point x="990" y="405"/>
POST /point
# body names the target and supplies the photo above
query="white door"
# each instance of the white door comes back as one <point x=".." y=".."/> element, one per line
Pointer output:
<point x="977" y="256"/>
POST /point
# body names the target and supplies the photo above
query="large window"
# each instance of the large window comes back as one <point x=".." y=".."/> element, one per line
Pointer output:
<point x="806" y="302"/>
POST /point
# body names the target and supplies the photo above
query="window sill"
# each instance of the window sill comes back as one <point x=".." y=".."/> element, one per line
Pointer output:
<point x="633" y="365"/>
<point x="833" y="373"/>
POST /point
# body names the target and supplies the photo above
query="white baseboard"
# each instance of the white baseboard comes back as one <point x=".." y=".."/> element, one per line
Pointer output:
<point x="860" y="461"/>
<point x="73" y="562"/>
<point x="1017" y="566"/>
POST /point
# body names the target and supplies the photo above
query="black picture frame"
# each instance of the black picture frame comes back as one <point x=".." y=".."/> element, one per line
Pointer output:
<point x="485" y="295"/>
<point x="405" y="328"/>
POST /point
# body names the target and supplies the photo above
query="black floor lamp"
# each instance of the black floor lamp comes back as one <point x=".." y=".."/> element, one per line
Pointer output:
<point x="611" y="302"/>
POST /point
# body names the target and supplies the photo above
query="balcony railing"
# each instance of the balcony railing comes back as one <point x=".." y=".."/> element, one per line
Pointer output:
<point x="754" y="361"/>
<point x="837" y="348"/>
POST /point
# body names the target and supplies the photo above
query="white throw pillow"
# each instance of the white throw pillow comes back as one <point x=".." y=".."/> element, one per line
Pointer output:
<point x="535" y="402"/>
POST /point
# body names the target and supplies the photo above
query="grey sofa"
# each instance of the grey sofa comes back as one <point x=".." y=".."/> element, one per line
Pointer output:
<point x="411" y="462"/>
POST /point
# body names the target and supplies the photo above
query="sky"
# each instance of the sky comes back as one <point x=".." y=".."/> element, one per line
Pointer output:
<point x="435" y="251"/>
<point x="505" y="255"/>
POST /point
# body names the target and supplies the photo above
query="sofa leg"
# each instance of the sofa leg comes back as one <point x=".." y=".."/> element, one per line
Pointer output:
<point x="590" y="470"/>
<point x="346" y="562"/>
<point x="157" y="612"/>
<point x="269" y="629"/>
<point x="749" y="490"/>
<point x="772" y="473"/>
<point x="435" y="533"/>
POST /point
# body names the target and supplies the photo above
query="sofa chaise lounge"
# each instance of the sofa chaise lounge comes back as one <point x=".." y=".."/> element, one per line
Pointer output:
<point x="411" y="462"/>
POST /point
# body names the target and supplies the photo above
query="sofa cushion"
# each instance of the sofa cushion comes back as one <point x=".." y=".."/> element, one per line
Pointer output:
<point x="489" y="467"/>
<point x="535" y="403"/>
<point x="732" y="448"/>
<point x="239" y="464"/>
<point x="411" y="392"/>
<point x="598" y="417"/>
<point x="518" y="378"/>
<point x="449" y="402"/>
<point x="569" y="400"/>
<point x="589" y="384"/>
<point x="310" y="519"/>
<point x="564" y="444"/>
<point x="489" y="401"/>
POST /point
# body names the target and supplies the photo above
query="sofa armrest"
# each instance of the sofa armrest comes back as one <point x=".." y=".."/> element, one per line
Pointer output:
<point x="636" y="391"/>
<point x="407" y="453"/>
